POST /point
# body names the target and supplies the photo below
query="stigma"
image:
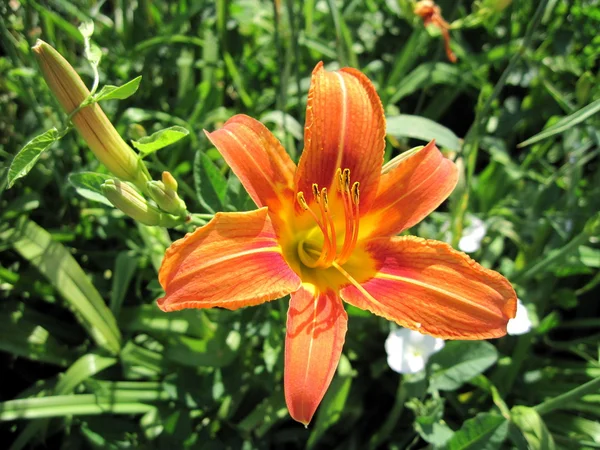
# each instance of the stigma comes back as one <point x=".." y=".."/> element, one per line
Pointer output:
<point x="333" y="250"/>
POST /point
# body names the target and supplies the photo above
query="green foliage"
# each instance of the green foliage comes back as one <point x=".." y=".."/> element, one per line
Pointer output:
<point x="89" y="361"/>
<point x="160" y="139"/>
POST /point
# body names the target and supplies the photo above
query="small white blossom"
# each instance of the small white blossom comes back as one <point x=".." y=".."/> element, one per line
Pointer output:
<point x="472" y="236"/>
<point x="521" y="323"/>
<point x="408" y="350"/>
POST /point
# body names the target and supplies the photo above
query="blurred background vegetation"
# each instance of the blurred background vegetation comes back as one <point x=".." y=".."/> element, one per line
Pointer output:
<point x="88" y="360"/>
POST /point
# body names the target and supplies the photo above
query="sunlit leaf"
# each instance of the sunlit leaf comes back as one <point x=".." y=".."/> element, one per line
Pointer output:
<point x="160" y="139"/>
<point x="28" y="155"/>
<point x="109" y="92"/>
<point x="87" y="184"/>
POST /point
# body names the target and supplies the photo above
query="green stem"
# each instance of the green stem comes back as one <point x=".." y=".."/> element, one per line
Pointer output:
<point x="564" y="399"/>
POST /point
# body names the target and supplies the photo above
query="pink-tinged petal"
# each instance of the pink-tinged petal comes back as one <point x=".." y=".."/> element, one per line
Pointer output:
<point x="258" y="159"/>
<point x="345" y="128"/>
<point x="430" y="287"/>
<point x="410" y="191"/>
<point x="316" y="328"/>
<point x="231" y="262"/>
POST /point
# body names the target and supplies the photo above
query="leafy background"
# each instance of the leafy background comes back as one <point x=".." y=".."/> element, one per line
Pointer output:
<point x="88" y="361"/>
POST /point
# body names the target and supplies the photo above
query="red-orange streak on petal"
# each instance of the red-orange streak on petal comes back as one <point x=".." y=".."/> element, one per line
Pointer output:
<point x="411" y="191"/>
<point x="430" y="287"/>
<point x="345" y="128"/>
<point x="316" y="328"/>
<point x="258" y="159"/>
<point x="231" y="262"/>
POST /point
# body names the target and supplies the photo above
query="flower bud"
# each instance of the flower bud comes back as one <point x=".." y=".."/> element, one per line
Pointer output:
<point x="166" y="199"/>
<point x="91" y="122"/>
<point x="169" y="181"/>
<point x="131" y="202"/>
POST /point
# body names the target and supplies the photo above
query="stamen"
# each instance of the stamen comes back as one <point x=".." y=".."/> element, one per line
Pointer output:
<point x="332" y="252"/>
<point x="302" y="200"/>
<point x="349" y="215"/>
<point x="355" y="199"/>
<point x="315" y="190"/>
<point x="326" y="249"/>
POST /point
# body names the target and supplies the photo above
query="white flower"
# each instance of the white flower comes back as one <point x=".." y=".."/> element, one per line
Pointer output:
<point x="408" y="350"/>
<point x="472" y="236"/>
<point x="521" y="323"/>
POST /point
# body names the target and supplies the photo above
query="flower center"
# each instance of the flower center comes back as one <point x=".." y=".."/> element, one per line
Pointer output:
<point x="322" y="250"/>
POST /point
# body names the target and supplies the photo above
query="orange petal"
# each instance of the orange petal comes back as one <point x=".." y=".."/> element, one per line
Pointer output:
<point x="258" y="159"/>
<point x="231" y="262"/>
<point x="430" y="287"/>
<point x="316" y="327"/>
<point x="410" y="191"/>
<point x="345" y="128"/>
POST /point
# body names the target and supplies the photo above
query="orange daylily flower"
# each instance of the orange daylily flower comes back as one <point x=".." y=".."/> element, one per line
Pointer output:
<point x="432" y="15"/>
<point x="325" y="231"/>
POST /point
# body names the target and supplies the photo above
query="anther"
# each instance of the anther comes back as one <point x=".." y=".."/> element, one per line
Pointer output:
<point x="355" y="192"/>
<point x="302" y="200"/>
<point x="340" y="178"/>
<point x="346" y="179"/>
<point x="315" y="189"/>
<point x="325" y="198"/>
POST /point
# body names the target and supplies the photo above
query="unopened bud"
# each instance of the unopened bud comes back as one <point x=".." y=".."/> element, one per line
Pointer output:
<point x="91" y="122"/>
<point x="166" y="199"/>
<point x="131" y="202"/>
<point x="169" y="181"/>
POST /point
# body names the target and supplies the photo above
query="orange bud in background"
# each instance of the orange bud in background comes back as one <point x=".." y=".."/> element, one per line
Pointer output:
<point x="91" y="122"/>
<point x="432" y="15"/>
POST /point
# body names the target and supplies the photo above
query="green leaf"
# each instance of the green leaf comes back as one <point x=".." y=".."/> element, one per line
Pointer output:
<point x="71" y="405"/>
<point x="28" y="155"/>
<point x="564" y="124"/>
<point x="160" y="139"/>
<point x="125" y="267"/>
<point x="483" y="432"/>
<point x="460" y="361"/>
<point x="23" y="336"/>
<point x="533" y="428"/>
<point x="82" y="369"/>
<point x="417" y="127"/>
<point x="210" y="183"/>
<point x="88" y="185"/>
<point x="110" y="92"/>
<point x="55" y="262"/>
<point x="331" y="408"/>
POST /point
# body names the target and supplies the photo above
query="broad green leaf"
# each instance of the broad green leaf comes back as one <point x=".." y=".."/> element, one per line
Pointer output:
<point x="565" y="123"/>
<point x="417" y="127"/>
<point x="459" y="361"/>
<point x="266" y="414"/>
<point x="85" y="367"/>
<point x="483" y="432"/>
<point x="23" y="337"/>
<point x="210" y="183"/>
<point x="332" y="407"/>
<point x="218" y="351"/>
<point x="110" y="92"/>
<point x="160" y="139"/>
<point x="28" y="155"/>
<point x="73" y="405"/>
<point x="533" y="428"/>
<point x="238" y="80"/>
<point x="55" y="262"/>
<point x="88" y="185"/>
<point x="429" y="74"/>
<point x="125" y="267"/>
